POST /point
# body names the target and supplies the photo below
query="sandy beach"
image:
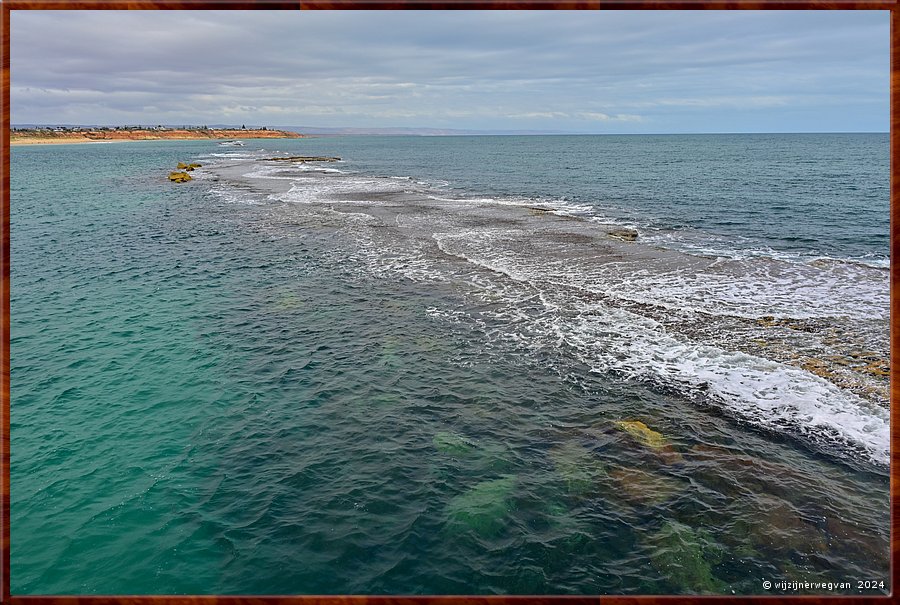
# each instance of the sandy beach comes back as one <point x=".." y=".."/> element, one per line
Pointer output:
<point x="14" y="141"/>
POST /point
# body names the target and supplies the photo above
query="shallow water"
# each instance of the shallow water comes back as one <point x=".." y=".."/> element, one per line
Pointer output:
<point x="343" y="382"/>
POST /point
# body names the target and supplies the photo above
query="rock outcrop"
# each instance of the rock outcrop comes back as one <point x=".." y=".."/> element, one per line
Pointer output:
<point x="179" y="177"/>
<point x="625" y="234"/>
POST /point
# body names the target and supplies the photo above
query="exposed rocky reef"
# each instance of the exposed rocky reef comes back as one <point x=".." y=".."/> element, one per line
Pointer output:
<point x="303" y="159"/>
<point x="625" y="234"/>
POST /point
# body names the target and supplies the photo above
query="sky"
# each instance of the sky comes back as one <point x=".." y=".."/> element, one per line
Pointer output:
<point x="560" y="71"/>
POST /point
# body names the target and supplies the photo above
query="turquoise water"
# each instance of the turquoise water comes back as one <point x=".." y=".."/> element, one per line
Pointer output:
<point x="358" y="386"/>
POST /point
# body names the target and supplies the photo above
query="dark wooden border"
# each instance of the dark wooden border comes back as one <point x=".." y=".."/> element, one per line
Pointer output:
<point x="895" y="290"/>
<point x="4" y="314"/>
<point x="8" y="5"/>
<point x="453" y="4"/>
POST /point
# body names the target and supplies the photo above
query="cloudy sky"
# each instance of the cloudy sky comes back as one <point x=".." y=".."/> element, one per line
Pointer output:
<point x="595" y="72"/>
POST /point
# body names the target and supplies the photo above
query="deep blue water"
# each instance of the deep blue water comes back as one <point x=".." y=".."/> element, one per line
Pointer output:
<point x="799" y="195"/>
<point x="379" y="385"/>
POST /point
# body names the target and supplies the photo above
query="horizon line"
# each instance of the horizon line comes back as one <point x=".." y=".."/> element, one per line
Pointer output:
<point x="429" y="130"/>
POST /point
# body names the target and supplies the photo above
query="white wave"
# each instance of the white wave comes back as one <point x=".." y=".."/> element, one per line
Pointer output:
<point x="741" y="248"/>
<point x="433" y="183"/>
<point x="755" y="289"/>
<point x="608" y="338"/>
<point x="388" y="257"/>
<point x="761" y="392"/>
<point x="560" y="207"/>
<point x="876" y="262"/>
<point x="583" y="305"/>
<point x="271" y="171"/>
<point x="309" y="167"/>
<point x="315" y="184"/>
<point x="231" y="195"/>
<point x="307" y="191"/>
<point x="233" y="155"/>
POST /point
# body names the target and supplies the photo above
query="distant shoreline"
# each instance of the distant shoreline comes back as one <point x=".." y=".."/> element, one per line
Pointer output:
<point x="48" y="141"/>
<point x="49" y="137"/>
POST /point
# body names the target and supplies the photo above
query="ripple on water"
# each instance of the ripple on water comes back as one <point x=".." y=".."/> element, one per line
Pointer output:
<point x="284" y="398"/>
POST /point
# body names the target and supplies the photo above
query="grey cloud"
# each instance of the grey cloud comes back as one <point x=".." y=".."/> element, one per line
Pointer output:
<point x="465" y="69"/>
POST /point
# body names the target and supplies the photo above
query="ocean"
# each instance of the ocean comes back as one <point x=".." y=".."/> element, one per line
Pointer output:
<point x="451" y="365"/>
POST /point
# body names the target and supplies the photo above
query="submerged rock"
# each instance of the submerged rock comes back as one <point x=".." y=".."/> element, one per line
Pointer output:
<point x="686" y="556"/>
<point x="453" y="444"/>
<point x="577" y="468"/>
<point x="855" y="541"/>
<point x="482" y="509"/>
<point x="642" y="433"/>
<point x="780" y="526"/>
<point x="495" y="458"/>
<point x="288" y="301"/>
<point x="732" y="473"/>
<point x="774" y="525"/>
<point x="569" y="530"/>
<point x="647" y="489"/>
<point x="179" y="177"/>
<point x="651" y="439"/>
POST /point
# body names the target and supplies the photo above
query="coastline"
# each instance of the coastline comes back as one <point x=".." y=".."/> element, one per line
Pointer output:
<point x="40" y="137"/>
<point x="48" y="141"/>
